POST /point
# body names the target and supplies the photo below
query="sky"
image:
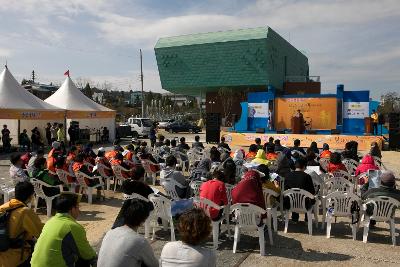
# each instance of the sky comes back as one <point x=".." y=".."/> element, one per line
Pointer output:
<point x="350" y="42"/>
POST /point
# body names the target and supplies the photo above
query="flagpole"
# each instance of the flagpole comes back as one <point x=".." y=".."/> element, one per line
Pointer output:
<point x="141" y="80"/>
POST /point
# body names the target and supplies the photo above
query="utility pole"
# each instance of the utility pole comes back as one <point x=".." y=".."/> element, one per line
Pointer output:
<point x="141" y="80"/>
<point x="33" y="76"/>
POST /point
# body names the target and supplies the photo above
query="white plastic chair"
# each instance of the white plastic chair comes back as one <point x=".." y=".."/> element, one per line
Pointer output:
<point x="384" y="211"/>
<point x="63" y="177"/>
<point x="149" y="172"/>
<point x="182" y="159"/>
<point x="206" y="204"/>
<point x="324" y="163"/>
<point x="7" y="189"/>
<point x="162" y="209"/>
<point x="240" y="169"/>
<point x="248" y="216"/>
<point x="341" y="174"/>
<point x="80" y="177"/>
<point x="147" y="222"/>
<point x="297" y="198"/>
<point x="351" y="165"/>
<point x="117" y="170"/>
<point x="272" y="213"/>
<point x="195" y="185"/>
<point x="169" y="186"/>
<point x="101" y="168"/>
<point x="341" y="207"/>
<point x="38" y="187"/>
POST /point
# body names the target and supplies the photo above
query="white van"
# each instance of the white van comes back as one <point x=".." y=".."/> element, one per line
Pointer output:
<point x="140" y="126"/>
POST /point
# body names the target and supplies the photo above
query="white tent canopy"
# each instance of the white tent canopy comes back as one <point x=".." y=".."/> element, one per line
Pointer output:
<point x="90" y="114"/>
<point x="71" y="98"/>
<point x="13" y="96"/>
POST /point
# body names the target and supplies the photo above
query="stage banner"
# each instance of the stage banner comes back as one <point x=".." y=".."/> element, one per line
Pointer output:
<point x="356" y="110"/>
<point x="258" y="110"/>
<point x="319" y="113"/>
<point x="236" y="140"/>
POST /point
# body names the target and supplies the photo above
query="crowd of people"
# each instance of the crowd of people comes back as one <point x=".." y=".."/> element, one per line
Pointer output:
<point x="62" y="240"/>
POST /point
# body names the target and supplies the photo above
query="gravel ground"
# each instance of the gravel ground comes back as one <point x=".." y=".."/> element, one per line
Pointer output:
<point x="296" y="248"/>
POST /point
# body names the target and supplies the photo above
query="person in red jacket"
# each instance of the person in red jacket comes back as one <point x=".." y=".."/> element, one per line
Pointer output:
<point x="335" y="163"/>
<point x="325" y="151"/>
<point x="249" y="190"/>
<point x="367" y="163"/>
<point x="215" y="191"/>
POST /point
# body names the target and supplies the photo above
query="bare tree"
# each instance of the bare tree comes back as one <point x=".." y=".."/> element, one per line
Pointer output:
<point x="81" y="82"/>
<point x="226" y="98"/>
<point x="390" y="102"/>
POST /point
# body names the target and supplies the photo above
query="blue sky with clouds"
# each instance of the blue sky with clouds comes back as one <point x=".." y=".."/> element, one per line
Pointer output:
<point x="354" y="42"/>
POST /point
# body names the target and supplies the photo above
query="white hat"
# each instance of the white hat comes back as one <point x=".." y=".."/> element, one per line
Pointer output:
<point x="101" y="149"/>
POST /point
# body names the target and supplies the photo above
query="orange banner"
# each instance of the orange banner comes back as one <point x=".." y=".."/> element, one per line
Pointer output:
<point x="320" y="113"/>
<point x="13" y="114"/>
<point x="334" y="141"/>
<point x="90" y="114"/>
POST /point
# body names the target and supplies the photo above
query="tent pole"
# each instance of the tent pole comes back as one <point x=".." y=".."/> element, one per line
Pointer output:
<point x="65" y="127"/>
<point x="18" y="130"/>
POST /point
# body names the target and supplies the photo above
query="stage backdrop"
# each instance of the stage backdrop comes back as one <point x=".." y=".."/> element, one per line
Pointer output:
<point x="334" y="141"/>
<point x="320" y="112"/>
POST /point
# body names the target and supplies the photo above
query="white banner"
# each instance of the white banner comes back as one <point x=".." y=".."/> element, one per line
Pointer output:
<point x="355" y="110"/>
<point x="258" y="110"/>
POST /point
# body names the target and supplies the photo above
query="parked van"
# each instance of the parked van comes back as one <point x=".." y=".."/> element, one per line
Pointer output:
<point x="140" y="126"/>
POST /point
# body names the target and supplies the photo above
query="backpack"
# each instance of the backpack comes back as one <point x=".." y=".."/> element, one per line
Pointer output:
<point x="5" y="241"/>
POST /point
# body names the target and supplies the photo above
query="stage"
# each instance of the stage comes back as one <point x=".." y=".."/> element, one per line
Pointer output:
<point x="335" y="141"/>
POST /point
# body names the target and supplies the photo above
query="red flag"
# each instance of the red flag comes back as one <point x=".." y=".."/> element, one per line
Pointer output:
<point x="66" y="73"/>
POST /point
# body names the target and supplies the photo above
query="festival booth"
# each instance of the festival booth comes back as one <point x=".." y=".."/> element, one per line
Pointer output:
<point x="91" y="116"/>
<point x="328" y="118"/>
<point x="20" y="109"/>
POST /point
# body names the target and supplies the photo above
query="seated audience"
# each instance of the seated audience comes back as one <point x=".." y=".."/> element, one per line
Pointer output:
<point x="124" y="246"/>
<point x="271" y="140"/>
<point x="29" y="167"/>
<point x="260" y="158"/>
<point x="215" y="156"/>
<point x="238" y="157"/>
<point x="296" y="147"/>
<point x="375" y="151"/>
<point x="17" y="174"/>
<point x="284" y="165"/>
<point x="63" y="240"/>
<point x="229" y="169"/>
<point x="118" y="160"/>
<point x="24" y="226"/>
<point x="252" y="152"/>
<point x="201" y="171"/>
<point x="278" y="146"/>
<point x="183" y="147"/>
<point x="224" y="145"/>
<point x="25" y="157"/>
<point x="299" y="179"/>
<point x="197" y="143"/>
<point x="112" y="153"/>
<point x="270" y="149"/>
<point x="41" y="173"/>
<point x="55" y="155"/>
<point x="258" y="143"/>
<point x="160" y="142"/>
<point x="335" y="163"/>
<point x="249" y="190"/>
<point x="79" y="166"/>
<point x="350" y="151"/>
<point x="170" y="172"/>
<point x="325" y="151"/>
<point x="314" y="148"/>
<point x="188" y="252"/>
<point x="267" y="183"/>
<point x="367" y="163"/>
<point x="24" y="140"/>
<point x="215" y="191"/>
<point x="311" y="158"/>
<point x="90" y="156"/>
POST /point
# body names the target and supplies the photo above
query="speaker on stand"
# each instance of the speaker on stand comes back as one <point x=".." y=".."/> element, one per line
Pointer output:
<point x="394" y="130"/>
<point x="213" y="127"/>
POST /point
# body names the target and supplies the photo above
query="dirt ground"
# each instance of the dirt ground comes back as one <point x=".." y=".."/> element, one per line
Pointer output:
<point x="296" y="248"/>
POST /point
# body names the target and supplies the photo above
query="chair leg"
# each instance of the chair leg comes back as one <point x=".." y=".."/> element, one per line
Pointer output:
<point x="36" y="203"/>
<point x="323" y="202"/>
<point x="316" y="211"/>
<point x="328" y="226"/>
<point x="89" y="191"/>
<point x="269" y="226"/>
<point x="228" y="226"/>
<point x="275" y="219"/>
<point x="115" y="183"/>
<point x="147" y="228"/>
<point x="354" y="231"/>
<point x="235" y="238"/>
<point x="286" y="221"/>
<point x="172" y="230"/>
<point x="366" y="228"/>
<point x="393" y="231"/>
<point x="108" y="183"/>
<point x="49" y="206"/>
<point x="164" y="224"/>
<point x="215" y="231"/>
<point x="262" y="240"/>
<point x="309" y="215"/>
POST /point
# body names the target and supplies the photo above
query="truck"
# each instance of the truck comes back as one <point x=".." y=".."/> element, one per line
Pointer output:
<point x="140" y="127"/>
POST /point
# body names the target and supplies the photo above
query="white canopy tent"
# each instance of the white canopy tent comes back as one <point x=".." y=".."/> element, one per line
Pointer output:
<point x="19" y="109"/>
<point x="80" y="108"/>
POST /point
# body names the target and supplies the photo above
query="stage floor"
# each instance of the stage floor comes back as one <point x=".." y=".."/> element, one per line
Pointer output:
<point x="335" y="141"/>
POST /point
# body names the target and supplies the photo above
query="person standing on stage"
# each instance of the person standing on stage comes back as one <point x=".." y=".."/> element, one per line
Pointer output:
<point x="374" y="117"/>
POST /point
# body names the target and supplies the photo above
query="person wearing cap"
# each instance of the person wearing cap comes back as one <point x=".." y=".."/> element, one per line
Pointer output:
<point x="326" y="153"/>
<point x="102" y="160"/>
<point x="63" y="240"/>
<point x="249" y="190"/>
<point x="53" y="156"/>
<point x="387" y="187"/>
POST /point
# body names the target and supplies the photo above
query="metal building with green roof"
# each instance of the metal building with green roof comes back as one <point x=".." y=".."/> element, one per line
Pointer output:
<point x="246" y="58"/>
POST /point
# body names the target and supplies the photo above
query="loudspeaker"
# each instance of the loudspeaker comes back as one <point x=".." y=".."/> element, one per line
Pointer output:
<point x="335" y="131"/>
<point x="394" y="139"/>
<point x="280" y="131"/>
<point x="260" y="130"/>
<point x="394" y="121"/>
<point x="213" y="125"/>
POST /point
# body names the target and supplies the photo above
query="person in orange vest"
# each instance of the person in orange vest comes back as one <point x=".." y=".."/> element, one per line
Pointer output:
<point x="101" y="159"/>
<point x="112" y="153"/>
<point x="53" y="156"/>
<point x="270" y="149"/>
<point x="119" y="161"/>
<point x="325" y="151"/>
<point x="79" y="165"/>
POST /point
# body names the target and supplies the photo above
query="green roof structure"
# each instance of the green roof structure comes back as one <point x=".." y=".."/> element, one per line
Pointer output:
<point x="246" y="58"/>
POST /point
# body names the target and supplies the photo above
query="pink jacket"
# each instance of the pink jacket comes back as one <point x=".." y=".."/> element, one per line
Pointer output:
<point x="367" y="163"/>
